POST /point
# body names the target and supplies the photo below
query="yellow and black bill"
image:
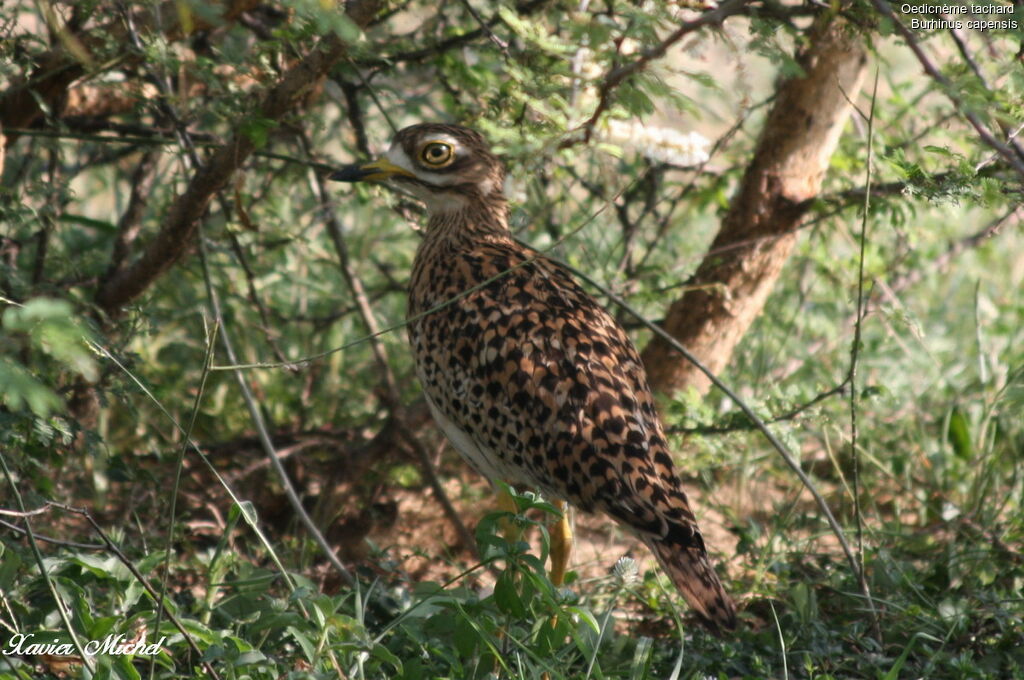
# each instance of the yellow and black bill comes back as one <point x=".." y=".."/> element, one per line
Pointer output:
<point x="377" y="171"/>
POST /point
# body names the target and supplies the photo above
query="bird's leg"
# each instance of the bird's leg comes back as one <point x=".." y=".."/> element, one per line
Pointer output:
<point x="561" y="544"/>
<point x="509" y="529"/>
<point x="561" y="534"/>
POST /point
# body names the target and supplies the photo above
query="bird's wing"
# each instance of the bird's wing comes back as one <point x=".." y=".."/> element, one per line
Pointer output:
<point x="553" y="363"/>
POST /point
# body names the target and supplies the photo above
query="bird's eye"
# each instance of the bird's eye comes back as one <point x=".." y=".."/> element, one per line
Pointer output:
<point x="437" y="154"/>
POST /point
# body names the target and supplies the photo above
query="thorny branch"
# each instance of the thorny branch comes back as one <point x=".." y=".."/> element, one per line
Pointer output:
<point x="131" y="219"/>
<point x="1012" y="154"/>
<point x="179" y="227"/>
<point x="614" y="78"/>
<point x="454" y="41"/>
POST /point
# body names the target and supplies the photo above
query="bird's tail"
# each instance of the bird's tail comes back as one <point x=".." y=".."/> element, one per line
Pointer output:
<point x="686" y="563"/>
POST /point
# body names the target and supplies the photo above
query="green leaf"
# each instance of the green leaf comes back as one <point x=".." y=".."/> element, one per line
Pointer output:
<point x="506" y="595"/>
<point x="466" y="637"/>
<point x="52" y="328"/>
<point x="257" y="130"/>
<point x="387" y="656"/>
<point x="146" y="564"/>
<point x="959" y="434"/>
<point x="101" y="225"/>
<point x="246" y="510"/>
<point x="102" y="626"/>
<point x="249" y="657"/>
<point x="608" y="148"/>
<point x="326" y="17"/>
<point x="940" y="150"/>
<point x="586" y="617"/>
<point x="515" y="24"/>
<point x="125" y="668"/>
<point x="18" y="390"/>
<point x="308" y="647"/>
<point x="641" y="666"/>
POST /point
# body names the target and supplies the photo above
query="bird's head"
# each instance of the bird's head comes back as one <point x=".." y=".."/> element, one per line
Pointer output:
<point x="446" y="166"/>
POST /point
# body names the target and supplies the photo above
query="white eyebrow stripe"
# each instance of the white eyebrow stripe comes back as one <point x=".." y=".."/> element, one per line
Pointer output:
<point x="442" y="137"/>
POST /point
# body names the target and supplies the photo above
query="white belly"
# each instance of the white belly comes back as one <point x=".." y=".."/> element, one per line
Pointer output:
<point x="483" y="461"/>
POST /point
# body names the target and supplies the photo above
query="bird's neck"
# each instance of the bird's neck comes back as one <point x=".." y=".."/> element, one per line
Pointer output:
<point x="470" y="221"/>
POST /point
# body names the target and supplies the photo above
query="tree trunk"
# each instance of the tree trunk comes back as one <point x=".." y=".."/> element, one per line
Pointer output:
<point x="757" y="234"/>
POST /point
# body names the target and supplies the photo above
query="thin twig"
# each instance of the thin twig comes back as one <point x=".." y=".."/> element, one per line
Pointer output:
<point x="247" y="516"/>
<point x="144" y="136"/>
<point x="486" y="27"/>
<point x="965" y="52"/>
<point x="192" y="159"/>
<point x="355" y="284"/>
<point x="256" y="414"/>
<point x="354" y="112"/>
<point x="968" y="55"/>
<point x="451" y="42"/>
<point x="911" y="278"/>
<point x="46" y="539"/>
<point x="380" y="353"/>
<point x="438" y="307"/>
<point x="181" y="222"/>
<point x="130" y="222"/>
<point x="254" y="298"/>
<point x="855" y="354"/>
<point x="782" y="417"/>
<point x="211" y="339"/>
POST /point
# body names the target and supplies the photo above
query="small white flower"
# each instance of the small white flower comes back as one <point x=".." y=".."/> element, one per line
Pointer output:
<point x="626" y="571"/>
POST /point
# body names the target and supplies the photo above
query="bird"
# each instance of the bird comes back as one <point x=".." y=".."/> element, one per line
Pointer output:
<point x="530" y="378"/>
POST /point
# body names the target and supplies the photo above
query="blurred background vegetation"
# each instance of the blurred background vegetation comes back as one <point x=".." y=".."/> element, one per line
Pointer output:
<point x="163" y="215"/>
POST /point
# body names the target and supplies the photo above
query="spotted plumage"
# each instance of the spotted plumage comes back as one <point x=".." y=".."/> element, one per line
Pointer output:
<point x="529" y="377"/>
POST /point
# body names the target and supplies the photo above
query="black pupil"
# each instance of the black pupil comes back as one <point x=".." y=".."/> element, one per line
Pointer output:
<point x="436" y="152"/>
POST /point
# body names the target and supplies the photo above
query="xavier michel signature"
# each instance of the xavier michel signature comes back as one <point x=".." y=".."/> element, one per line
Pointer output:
<point x="114" y="645"/>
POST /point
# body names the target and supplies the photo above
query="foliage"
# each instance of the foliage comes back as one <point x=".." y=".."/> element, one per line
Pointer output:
<point x="98" y="405"/>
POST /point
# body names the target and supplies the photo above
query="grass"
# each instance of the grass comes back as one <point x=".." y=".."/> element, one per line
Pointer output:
<point x="941" y="556"/>
<point x="941" y="483"/>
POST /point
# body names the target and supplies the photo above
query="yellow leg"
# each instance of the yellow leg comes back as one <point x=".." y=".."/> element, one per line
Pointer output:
<point x="561" y="544"/>
<point x="506" y="503"/>
<point x="561" y="534"/>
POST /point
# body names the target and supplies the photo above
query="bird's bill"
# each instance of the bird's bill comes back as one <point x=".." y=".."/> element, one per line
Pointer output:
<point x="377" y="171"/>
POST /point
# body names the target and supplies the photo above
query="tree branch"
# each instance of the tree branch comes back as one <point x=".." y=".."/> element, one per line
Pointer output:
<point x="179" y="226"/>
<point x="614" y="78"/>
<point x="27" y="98"/>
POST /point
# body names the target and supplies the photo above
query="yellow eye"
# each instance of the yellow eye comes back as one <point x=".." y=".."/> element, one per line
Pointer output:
<point x="437" y="154"/>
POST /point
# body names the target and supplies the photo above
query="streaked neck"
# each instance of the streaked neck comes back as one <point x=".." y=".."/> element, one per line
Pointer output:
<point x="470" y="220"/>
